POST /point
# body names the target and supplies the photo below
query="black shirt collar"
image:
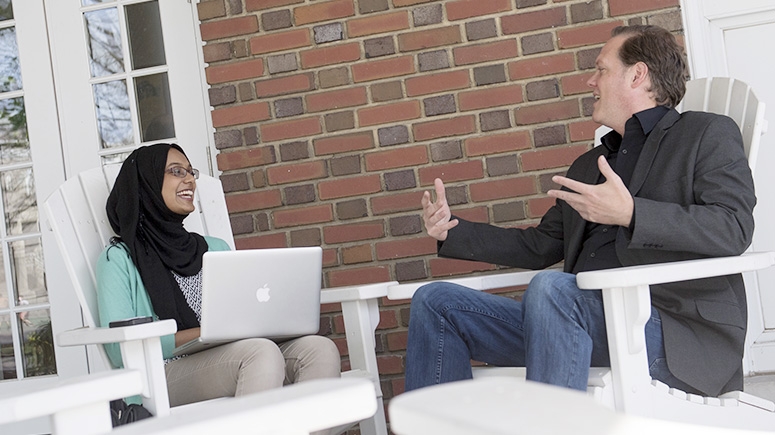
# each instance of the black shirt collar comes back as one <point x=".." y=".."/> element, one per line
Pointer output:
<point x="645" y="119"/>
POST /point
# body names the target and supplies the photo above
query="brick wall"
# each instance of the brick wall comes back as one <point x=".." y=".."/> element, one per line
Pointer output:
<point x="332" y="117"/>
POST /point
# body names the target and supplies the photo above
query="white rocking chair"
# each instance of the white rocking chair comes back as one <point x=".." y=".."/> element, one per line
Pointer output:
<point x="76" y="214"/>
<point x="627" y="386"/>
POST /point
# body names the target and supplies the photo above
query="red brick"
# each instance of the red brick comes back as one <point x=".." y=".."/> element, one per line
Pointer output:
<point x="576" y="84"/>
<point x="583" y="130"/>
<point x="296" y="172"/>
<point x="290" y="129"/>
<point x="353" y="186"/>
<point x="387" y="320"/>
<point x="242" y="114"/>
<point x="229" y="27"/>
<point x="471" y="54"/>
<point x="260" y="200"/>
<point x="337" y="99"/>
<point x="380" y="69"/>
<point x="586" y="35"/>
<point x="626" y="7"/>
<point x="505" y="188"/>
<point x="382" y="23"/>
<point x="257" y="5"/>
<point x="396" y="158"/>
<point x="474" y="214"/>
<point x="303" y="216"/>
<point x="440" y="37"/>
<point x="354" y="232"/>
<point x="448" y="267"/>
<point x="245" y="158"/>
<point x="396" y="203"/>
<point x="285" y="85"/>
<point x="272" y="42"/>
<point x="541" y="66"/>
<point x="537" y="207"/>
<point x="433" y="83"/>
<point x="547" y="112"/>
<point x="362" y="275"/>
<point x="402" y="3"/>
<point x="462" y="9"/>
<point x="390" y="364"/>
<point x="497" y="143"/>
<point x="489" y="97"/>
<point x="444" y="128"/>
<point x="330" y="258"/>
<point x="343" y="144"/>
<point x="357" y="254"/>
<point x="551" y="157"/>
<point x="323" y="56"/>
<point x="262" y="241"/>
<point x="404" y="248"/>
<point x="397" y="340"/>
<point x="528" y="21"/>
<point x="471" y="170"/>
<point x="389" y="113"/>
<point x="323" y="11"/>
<point x="235" y="71"/>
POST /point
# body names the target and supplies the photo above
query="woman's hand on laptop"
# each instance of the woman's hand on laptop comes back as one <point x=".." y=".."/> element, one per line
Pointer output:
<point x="186" y="335"/>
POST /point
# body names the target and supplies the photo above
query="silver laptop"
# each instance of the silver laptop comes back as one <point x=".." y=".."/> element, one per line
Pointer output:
<point x="269" y="293"/>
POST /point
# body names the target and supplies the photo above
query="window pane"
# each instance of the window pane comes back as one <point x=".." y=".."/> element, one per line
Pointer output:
<point x="3" y="288"/>
<point x="21" y="207"/>
<point x="6" y="10"/>
<point x="146" y="44"/>
<point x="37" y="343"/>
<point x="104" y="39"/>
<point x="114" y="119"/>
<point x="6" y="349"/>
<point x="154" y="107"/>
<point x="29" y="279"/>
<point x="10" y="73"/>
<point x="14" y="143"/>
<point x="95" y="2"/>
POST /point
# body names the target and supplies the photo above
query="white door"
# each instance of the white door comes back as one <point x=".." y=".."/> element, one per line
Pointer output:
<point x="731" y="38"/>
<point x="82" y="83"/>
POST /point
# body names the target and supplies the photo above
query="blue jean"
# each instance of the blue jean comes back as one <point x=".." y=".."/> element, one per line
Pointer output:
<point x="557" y="332"/>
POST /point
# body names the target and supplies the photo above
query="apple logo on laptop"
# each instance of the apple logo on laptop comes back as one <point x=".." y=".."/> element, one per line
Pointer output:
<point x="262" y="294"/>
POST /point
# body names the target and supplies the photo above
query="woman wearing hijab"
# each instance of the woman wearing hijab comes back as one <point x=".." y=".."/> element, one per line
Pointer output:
<point x="154" y="268"/>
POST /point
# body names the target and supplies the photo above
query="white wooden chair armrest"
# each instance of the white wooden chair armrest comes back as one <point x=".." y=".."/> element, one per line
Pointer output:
<point x="501" y="406"/>
<point x="85" y="335"/>
<point x="676" y="271"/>
<point x="76" y="405"/>
<point x="483" y="282"/>
<point x="355" y="292"/>
<point x="296" y="409"/>
<point x="140" y="350"/>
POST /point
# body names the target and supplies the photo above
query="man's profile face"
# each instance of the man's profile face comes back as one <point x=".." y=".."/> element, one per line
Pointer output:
<point x="611" y="86"/>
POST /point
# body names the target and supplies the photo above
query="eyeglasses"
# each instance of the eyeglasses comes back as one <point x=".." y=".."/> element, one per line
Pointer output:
<point x="182" y="172"/>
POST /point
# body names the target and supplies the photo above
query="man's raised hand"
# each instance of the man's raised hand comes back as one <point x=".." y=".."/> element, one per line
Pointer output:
<point x="436" y="215"/>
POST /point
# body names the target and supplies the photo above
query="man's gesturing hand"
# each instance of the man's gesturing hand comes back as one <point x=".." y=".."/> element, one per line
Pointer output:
<point x="436" y="215"/>
<point x="609" y="203"/>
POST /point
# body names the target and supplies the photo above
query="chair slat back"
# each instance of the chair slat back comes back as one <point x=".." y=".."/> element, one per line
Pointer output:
<point x="725" y="96"/>
<point x="734" y="98"/>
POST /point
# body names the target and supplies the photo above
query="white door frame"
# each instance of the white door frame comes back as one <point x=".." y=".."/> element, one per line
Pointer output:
<point x="706" y="24"/>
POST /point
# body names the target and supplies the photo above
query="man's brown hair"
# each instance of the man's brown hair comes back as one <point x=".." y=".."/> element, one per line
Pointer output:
<point x="658" y="49"/>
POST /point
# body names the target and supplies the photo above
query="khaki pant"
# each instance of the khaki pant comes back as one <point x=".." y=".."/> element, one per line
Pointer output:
<point x="249" y="366"/>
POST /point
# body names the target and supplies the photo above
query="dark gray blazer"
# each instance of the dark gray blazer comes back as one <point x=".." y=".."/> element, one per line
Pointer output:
<point x="694" y="198"/>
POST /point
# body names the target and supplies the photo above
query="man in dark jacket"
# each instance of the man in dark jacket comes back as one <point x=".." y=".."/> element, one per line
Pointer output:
<point x="663" y="187"/>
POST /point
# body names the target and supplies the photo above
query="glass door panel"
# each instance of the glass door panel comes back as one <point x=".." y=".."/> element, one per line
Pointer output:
<point x="26" y="341"/>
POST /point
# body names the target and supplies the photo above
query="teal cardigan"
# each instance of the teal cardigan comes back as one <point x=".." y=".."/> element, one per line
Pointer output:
<point x="122" y="295"/>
